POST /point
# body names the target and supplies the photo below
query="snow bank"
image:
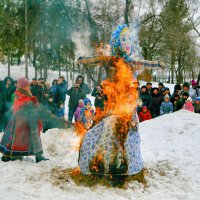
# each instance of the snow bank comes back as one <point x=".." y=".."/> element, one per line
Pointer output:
<point x="170" y="148"/>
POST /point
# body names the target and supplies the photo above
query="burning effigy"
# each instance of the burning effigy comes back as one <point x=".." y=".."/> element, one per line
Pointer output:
<point x="112" y="145"/>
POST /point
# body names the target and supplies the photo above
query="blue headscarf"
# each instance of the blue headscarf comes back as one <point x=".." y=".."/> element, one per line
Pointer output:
<point x="116" y="44"/>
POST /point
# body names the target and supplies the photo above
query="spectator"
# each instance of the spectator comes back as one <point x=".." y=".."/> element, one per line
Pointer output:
<point x="163" y="93"/>
<point x="3" y="107"/>
<point x="10" y="89"/>
<point x="87" y="114"/>
<point x="186" y="87"/>
<point x="61" y="90"/>
<point x="23" y="139"/>
<point x="75" y="94"/>
<point x="181" y="101"/>
<point x="160" y="86"/>
<point x="99" y="100"/>
<point x="144" y="114"/>
<point x="54" y="87"/>
<point x="77" y="114"/>
<point x="60" y="113"/>
<point x="167" y="91"/>
<point x="156" y="102"/>
<point x="38" y="90"/>
<point x="51" y="106"/>
<point x="33" y="83"/>
<point x="149" y="87"/>
<point x="177" y="89"/>
<point x="188" y="105"/>
<point x="193" y="91"/>
<point x="145" y="97"/>
<point x="166" y="106"/>
<point x="197" y="105"/>
<point x="83" y="87"/>
<point x="175" y="100"/>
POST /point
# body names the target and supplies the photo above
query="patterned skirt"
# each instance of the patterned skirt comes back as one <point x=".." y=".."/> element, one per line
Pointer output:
<point x="21" y="138"/>
<point x="102" y="153"/>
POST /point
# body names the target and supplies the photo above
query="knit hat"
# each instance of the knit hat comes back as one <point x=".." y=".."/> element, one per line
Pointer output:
<point x="23" y="83"/>
<point x="189" y="99"/>
<point x="193" y="82"/>
<point x="186" y="84"/>
<point x="86" y="100"/>
<point x="163" y="89"/>
<point x="161" y="84"/>
<point x="197" y="99"/>
<point x="166" y="96"/>
<point x="80" y="101"/>
<point x="144" y="108"/>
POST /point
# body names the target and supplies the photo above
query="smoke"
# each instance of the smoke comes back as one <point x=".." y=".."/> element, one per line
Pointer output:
<point x="135" y="30"/>
<point x="82" y="42"/>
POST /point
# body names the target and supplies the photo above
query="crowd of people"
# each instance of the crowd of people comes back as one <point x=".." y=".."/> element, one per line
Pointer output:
<point x="154" y="101"/>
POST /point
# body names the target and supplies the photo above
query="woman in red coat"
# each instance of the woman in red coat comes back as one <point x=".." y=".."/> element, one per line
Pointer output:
<point x="144" y="114"/>
<point x="22" y="135"/>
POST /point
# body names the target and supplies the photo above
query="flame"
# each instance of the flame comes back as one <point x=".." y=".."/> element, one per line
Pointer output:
<point x="75" y="171"/>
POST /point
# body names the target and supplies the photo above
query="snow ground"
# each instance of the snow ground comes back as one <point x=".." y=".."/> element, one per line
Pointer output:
<point x="170" y="147"/>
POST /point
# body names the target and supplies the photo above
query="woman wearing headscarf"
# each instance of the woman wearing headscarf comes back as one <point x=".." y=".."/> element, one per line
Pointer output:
<point x="22" y="135"/>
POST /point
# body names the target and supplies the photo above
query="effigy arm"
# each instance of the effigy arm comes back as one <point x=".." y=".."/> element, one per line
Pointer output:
<point x="147" y="64"/>
<point x="96" y="60"/>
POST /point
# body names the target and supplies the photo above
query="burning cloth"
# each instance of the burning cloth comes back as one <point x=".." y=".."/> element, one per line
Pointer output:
<point x="112" y="146"/>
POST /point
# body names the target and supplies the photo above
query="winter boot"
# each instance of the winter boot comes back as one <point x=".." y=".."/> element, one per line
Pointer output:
<point x="5" y="159"/>
<point x="39" y="158"/>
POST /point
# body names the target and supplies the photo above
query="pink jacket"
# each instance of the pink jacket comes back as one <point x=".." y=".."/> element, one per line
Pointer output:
<point x="188" y="106"/>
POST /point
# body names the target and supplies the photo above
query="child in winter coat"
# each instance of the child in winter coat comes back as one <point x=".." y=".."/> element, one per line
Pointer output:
<point x="77" y="114"/>
<point x="188" y="105"/>
<point x="60" y="113"/>
<point x="166" y="106"/>
<point x="87" y="114"/>
<point x="51" y="106"/>
<point x="144" y="114"/>
<point x="197" y="105"/>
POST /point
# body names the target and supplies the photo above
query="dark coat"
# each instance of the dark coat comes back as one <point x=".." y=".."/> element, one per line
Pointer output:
<point x="179" y="105"/>
<point x="85" y="89"/>
<point x="156" y="103"/>
<point x="98" y="103"/>
<point x="75" y="95"/>
<point x="61" y="91"/>
<point x="146" y="99"/>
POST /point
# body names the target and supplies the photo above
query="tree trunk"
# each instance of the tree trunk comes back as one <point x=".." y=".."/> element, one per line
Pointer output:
<point x="198" y="78"/>
<point x="9" y="59"/>
<point x="127" y="12"/>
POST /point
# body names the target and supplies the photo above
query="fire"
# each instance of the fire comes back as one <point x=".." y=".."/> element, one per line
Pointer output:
<point x="75" y="171"/>
<point x="121" y="93"/>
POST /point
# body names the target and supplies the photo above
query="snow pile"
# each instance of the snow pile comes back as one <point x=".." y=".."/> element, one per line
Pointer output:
<point x="170" y="148"/>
